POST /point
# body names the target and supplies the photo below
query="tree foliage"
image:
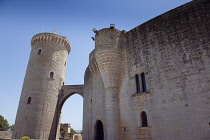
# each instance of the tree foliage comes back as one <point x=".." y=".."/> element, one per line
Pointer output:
<point x="12" y="127"/>
<point x="73" y="131"/>
<point x="4" y="125"/>
<point x="62" y="133"/>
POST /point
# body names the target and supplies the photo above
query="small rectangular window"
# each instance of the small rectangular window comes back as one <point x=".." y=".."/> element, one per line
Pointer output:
<point x="29" y="100"/>
<point x="143" y="81"/>
<point x="51" y="75"/>
<point x="137" y="83"/>
<point x="39" y="52"/>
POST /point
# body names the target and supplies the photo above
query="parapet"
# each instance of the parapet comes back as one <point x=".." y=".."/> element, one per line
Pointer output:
<point x="107" y="37"/>
<point x="51" y="37"/>
<point x="65" y="124"/>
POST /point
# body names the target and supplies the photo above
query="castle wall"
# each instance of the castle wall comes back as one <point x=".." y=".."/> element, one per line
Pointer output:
<point x="66" y="128"/>
<point x="94" y="99"/>
<point x="5" y="135"/>
<point x="173" y="50"/>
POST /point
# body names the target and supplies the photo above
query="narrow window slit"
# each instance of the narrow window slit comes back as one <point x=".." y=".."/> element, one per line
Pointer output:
<point x="29" y="100"/>
<point x="137" y="83"/>
<point x="51" y="75"/>
<point x="39" y="52"/>
<point x="144" y="122"/>
<point x="143" y="81"/>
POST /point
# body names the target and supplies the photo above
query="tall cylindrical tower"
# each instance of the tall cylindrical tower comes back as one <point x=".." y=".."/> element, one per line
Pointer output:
<point x="37" y="115"/>
<point x="108" y="55"/>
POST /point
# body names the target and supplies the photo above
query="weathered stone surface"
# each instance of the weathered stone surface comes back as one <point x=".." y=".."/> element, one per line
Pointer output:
<point x="44" y="78"/>
<point x="5" y="135"/>
<point x="171" y="50"/>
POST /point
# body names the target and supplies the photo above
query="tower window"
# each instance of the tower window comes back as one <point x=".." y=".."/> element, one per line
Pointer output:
<point x="137" y="83"/>
<point x="29" y="100"/>
<point x="65" y="64"/>
<point x="51" y="75"/>
<point x="39" y="52"/>
<point x="144" y="119"/>
<point x="140" y="83"/>
<point x="143" y="81"/>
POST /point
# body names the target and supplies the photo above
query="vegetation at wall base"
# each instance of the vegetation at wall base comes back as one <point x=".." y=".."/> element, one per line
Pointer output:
<point x="4" y="125"/>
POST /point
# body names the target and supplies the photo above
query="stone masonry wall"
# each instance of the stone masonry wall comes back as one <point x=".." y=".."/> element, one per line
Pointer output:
<point x="44" y="78"/>
<point x="94" y="100"/>
<point x="173" y="50"/>
<point x="5" y="135"/>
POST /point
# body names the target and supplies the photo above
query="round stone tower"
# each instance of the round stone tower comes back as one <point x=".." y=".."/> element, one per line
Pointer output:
<point x="108" y="55"/>
<point x="37" y="115"/>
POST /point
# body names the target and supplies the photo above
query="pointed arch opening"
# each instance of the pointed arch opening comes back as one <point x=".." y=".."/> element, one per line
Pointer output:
<point x="99" y="130"/>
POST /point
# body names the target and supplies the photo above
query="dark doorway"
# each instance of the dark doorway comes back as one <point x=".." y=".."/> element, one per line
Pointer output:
<point x="99" y="131"/>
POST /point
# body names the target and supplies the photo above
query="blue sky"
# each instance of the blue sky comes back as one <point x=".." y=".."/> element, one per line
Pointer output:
<point x="21" y="20"/>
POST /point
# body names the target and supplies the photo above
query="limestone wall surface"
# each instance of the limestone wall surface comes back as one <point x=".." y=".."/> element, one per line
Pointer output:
<point x="94" y="102"/>
<point x="150" y="83"/>
<point x="45" y="75"/>
<point x="173" y="52"/>
<point x="5" y="135"/>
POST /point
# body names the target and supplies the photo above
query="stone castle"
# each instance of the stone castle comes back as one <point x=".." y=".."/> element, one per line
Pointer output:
<point x="150" y="83"/>
<point x="67" y="135"/>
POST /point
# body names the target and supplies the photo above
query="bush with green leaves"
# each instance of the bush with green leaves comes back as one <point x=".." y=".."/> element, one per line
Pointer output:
<point x="4" y="125"/>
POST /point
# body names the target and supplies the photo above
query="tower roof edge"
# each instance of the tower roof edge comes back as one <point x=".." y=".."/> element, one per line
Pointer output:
<point x="51" y="37"/>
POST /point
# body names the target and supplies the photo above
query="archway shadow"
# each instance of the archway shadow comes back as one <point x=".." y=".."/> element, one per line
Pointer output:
<point x="99" y="130"/>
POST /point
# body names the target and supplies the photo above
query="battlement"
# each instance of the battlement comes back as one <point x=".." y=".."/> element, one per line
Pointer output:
<point x="51" y="37"/>
<point x="65" y="124"/>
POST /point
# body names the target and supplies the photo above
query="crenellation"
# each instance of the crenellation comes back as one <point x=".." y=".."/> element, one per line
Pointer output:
<point x="51" y="37"/>
<point x="169" y="99"/>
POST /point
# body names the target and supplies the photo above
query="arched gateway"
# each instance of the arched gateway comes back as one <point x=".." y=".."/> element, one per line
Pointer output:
<point x="66" y="92"/>
<point x="99" y="130"/>
<point x="69" y="90"/>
